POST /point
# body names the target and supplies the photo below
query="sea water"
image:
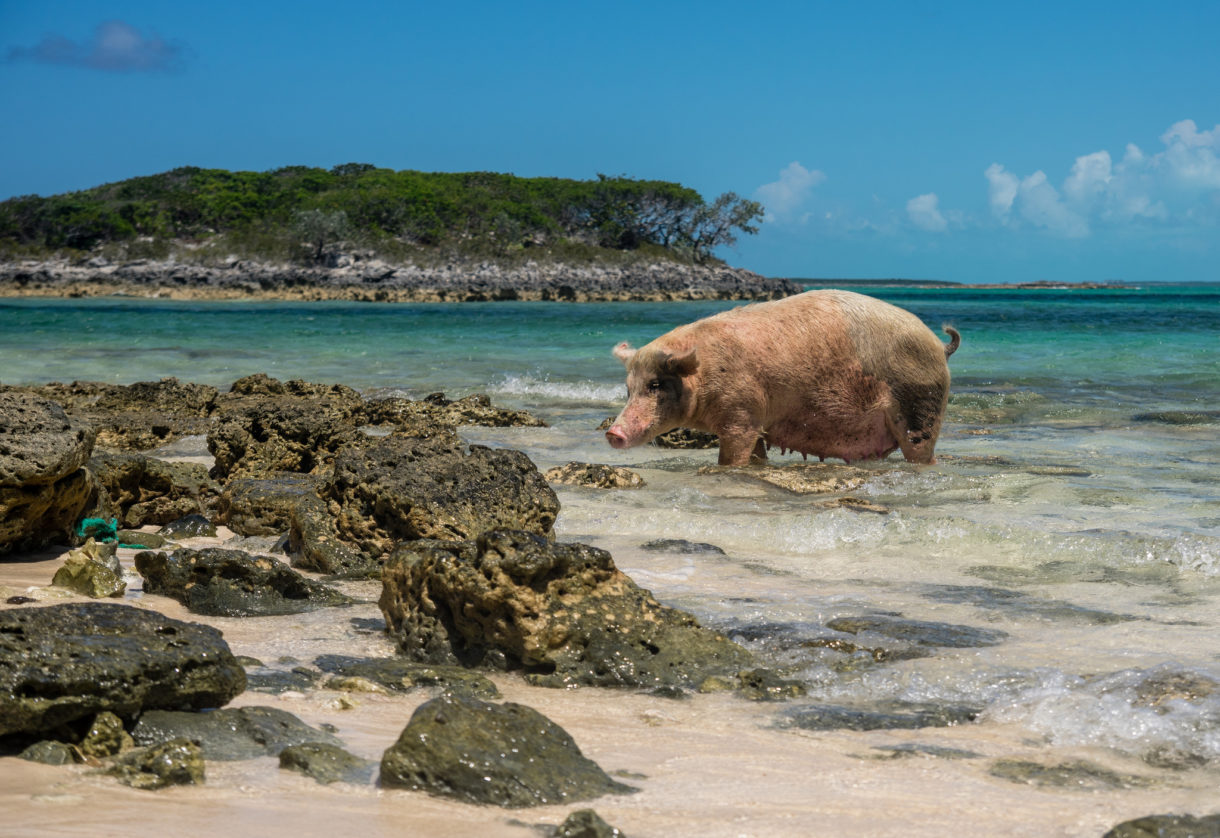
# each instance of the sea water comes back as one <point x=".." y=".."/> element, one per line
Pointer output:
<point x="1073" y="517"/>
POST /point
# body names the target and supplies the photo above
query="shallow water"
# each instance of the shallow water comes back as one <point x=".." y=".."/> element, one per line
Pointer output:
<point x="1073" y="519"/>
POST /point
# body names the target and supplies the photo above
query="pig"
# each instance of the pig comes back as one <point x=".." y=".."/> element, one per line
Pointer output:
<point x="825" y="373"/>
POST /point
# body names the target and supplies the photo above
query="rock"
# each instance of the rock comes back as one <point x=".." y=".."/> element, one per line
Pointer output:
<point x="143" y="490"/>
<point x="50" y="752"/>
<point x="687" y="439"/>
<point x="275" y="681"/>
<point x="436" y="410"/>
<point x="1180" y="417"/>
<point x="92" y="570"/>
<point x="251" y="507"/>
<point x="43" y="483"/>
<point x="562" y="612"/>
<point x="854" y="505"/>
<point x="919" y="632"/>
<point x="231" y="733"/>
<point x="800" y="478"/>
<point x="177" y="762"/>
<point x="1079" y="774"/>
<point x="502" y="754"/>
<point x="897" y="716"/>
<point x="765" y="685"/>
<point x="230" y="583"/>
<point x="585" y="823"/>
<point x="136" y="538"/>
<point x="139" y="416"/>
<point x="596" y="475"/>
<point x="315" y="544"/>
<point x="188" y="526"/>
<point x="680" y="545"/>
<point x="63" y="664"/>
<point x="404" y="676"/>
<point x="106" y="737"/>
<point x="1168" y="826"/>
<point x="327" y="763"/>
<point x="401" y="488"/>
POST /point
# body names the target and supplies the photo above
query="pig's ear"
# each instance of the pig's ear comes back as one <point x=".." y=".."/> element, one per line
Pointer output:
<point x="624" y="352"/>
<point x="683" y="364"/>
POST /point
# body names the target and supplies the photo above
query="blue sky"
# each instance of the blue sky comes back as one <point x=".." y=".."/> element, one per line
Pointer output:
<point x="973" y="142"/>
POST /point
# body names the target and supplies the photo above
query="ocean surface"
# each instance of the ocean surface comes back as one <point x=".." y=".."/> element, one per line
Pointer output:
<point x="1065" y="549"/>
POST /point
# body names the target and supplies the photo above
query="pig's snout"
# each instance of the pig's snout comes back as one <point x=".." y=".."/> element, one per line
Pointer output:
<point x="617" y="438"/>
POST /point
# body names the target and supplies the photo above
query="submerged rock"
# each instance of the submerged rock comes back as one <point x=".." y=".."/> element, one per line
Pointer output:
<point x="230" y="583"/>
<point x="266" y="680"/>
<point x="919" y="632"/>
<point x="596" y="475"/>
<point x="43" y="483"/>
<point x="562" y="612"/>
<point x="92" y="570"/>
<point x="501" y="754"/>
<point x="327" y="763"/>
<point x="800" y="478"/>
<point x="231" y="733"/>
<point x="143" y="490"/>
<point x="680" y="545"/>
<point x="1168" y="826"/>
<point x="1079" y="774"/>
<point x="62" y="664"/>
<point x="177" y="762"/>
<point x="403" y="676"/>
<point x="896" y="716"/>
<point x="402" y="489"/>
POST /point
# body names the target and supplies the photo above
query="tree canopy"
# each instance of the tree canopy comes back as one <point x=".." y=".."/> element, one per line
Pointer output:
<point x="437" y="210"/>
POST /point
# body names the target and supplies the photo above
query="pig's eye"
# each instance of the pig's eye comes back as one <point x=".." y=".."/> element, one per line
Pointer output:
<point x="654" y="385"/>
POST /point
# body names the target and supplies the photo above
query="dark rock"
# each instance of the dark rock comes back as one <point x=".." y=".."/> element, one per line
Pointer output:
<point x="402" y="676"/>
<point x="230" y="733"/>
<point x="1180" y="417"/>
<point x="401" y="489"/>
<point x="64" y="663"/>
<point x="93" y="570"/>
<point x="327" y="763"/>
<point x="680" y="545"/>
<point x="188" y="526"/>
<point x="136" y="538"/>
<point x="178" y="762"/>
<point x="1079" y="774"/>
<point x="314" y="543"/>
<point x="250" y="506"/>
<point x="1168" y="826"/>
<point x="502" y="754"/>
<point x="106" y="737"/>
<point x="585" y="823"/>
<point x="919" y="632"/>
<point x="687" y="439"/>
<point x="595" y="475"/>
<point x="276" y="681"/>
<point x="230" y="583"/>
<point x="139" y="416"/>
<point x="563" y="612"/>
<point x="43" y="483"/>
<point x="143" y="490"/>
<point x="910" y="749"/>
<point x="1008" y="601"/>
<point x="898" y="716"/>
<point x="765" y="685"/>
<point x="50" y="752"/>
<point x="436" y="410"/>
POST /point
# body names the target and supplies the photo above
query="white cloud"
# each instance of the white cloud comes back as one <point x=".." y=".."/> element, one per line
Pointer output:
<point x="1002" y="190"/>
<point x="115" y="46"/>
<point x="783" y="197"/>
<point x="924" y="213"/>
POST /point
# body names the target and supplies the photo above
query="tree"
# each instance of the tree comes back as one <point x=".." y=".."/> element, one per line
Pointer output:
<point x="320" y="227"/>
<point x="712" y="225"/>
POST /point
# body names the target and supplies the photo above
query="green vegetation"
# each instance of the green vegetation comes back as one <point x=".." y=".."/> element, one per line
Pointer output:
<point x="301" y="214"/>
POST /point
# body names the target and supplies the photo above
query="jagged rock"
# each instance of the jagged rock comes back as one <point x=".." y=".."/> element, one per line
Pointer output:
<point x="230" y="583"/>
<point x="562" y="612"/>
<point x="261" y="436"/>
<point x="327" y="763"/>
<point x="585" y="823"/>
<point x="596" y="475"/>
<point x="403" y="676"/>
<point x="106" y="737"/>
<point x="314" y="543"/>
<point x="92" y="570"/>
<point x="437" y="410"/>
<point x="188" y="526"/>
<point x="231" y="733"/>
<point x="1168" y="826"/>
<point x="143" y="490"/>
<point x="43" y="483"/>
<point x="61" y="664"/>
<point x="178" y="762"/>
<point x="501" y="754"/>
<point x="250" y="506"/>
<point x="402" y="488"/>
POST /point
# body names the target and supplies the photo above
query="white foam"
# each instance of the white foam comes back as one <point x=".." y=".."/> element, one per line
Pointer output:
<point x="578" y="391"/>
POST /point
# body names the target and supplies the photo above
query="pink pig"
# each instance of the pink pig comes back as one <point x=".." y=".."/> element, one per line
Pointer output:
<point x="827" y="373"/>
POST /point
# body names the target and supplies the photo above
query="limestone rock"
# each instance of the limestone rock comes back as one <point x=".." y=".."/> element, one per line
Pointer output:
<point x="178" y="762"/>
<point x="501" y="754"/>
<point x="61" y="664"/>
<point x="250" y="506"/>
<point x="436" y="409"/>
<point x="92" y="570"/>
<point x="230" y="583"/>
<point x="402" y="675"/>
<point x="143" y="490"/>
<point x="800" y="478"/>
<point x="314" y="543"/>
<point x="562" y="612"/>
<point x="596" y="475"/>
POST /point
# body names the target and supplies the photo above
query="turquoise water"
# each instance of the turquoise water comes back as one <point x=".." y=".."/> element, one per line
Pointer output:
<point x="1076" y="505"/>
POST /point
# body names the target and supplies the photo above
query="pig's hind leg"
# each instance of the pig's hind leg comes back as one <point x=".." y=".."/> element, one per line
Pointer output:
<point x="915" y="424"/>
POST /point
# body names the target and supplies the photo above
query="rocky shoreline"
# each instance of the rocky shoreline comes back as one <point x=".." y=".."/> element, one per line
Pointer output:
<point x="373" y="280"/>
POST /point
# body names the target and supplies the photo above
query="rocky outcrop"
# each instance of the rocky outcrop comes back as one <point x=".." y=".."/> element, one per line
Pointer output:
<point x="43" y="483"/>
<point x="374" y="280"/>
<point x="140" y="490"/>
<point x="562" y="612"/>
<point x="64" y="664"/>
<point x="253" y="506"/>
<point x="505" y="755"/>
<point x="595" y="475"/>
<point x="416" y="417"/>
<point x="264" y="436"/>
<point x="229" y="583"/>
